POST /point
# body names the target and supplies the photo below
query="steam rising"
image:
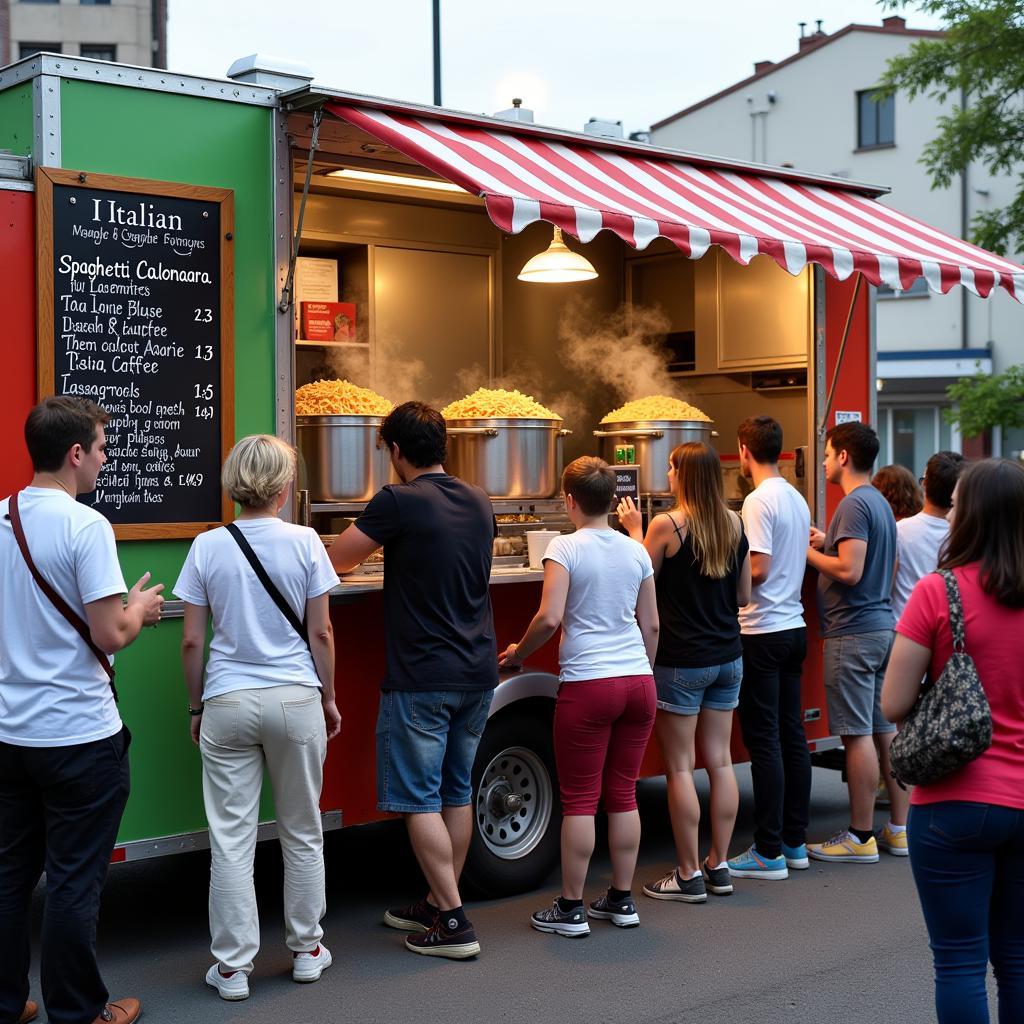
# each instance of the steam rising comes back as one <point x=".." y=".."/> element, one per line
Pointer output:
<point x="623" y="352"/>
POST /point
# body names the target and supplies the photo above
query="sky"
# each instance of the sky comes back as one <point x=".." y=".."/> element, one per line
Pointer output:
<point x="569" y="60"/>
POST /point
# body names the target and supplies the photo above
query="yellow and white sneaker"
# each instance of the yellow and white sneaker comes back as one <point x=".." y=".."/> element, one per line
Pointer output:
<point x="893" y="842"/>
<point x="844" y="847"/>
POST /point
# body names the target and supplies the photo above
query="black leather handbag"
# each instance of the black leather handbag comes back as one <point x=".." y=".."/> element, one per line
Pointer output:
<point x="951" y="723"/>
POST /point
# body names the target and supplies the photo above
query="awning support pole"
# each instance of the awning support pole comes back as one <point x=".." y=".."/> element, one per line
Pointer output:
<point x="839" y="361"/>
<point x="287" y="298"/>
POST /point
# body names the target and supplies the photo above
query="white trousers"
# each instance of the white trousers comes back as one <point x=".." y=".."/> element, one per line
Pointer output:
<point x="281" y="728"/>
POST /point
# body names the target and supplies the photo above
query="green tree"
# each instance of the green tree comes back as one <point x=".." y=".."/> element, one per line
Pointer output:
<point x="980" y="58"/>
<point x="983" y="402"/>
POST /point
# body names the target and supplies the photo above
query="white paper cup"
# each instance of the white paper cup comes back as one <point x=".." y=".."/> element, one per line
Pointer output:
<point x="537" y="542"/>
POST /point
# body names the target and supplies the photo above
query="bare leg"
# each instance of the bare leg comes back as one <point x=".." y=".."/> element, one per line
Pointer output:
<point x="861" y="780"/>
<point x="433" y="848"/>
<point x="459" y="823"/>
<point x="577" y="848"/>
<point x="624" y="846"/>
<point x="714" y="735"/>
<point x="676" y="737"/>
<point x="899" y="799"/>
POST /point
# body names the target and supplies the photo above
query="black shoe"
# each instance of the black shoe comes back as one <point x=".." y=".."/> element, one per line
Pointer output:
<point x="573" y="925"/>
<point x="719" y="881"/>
<point x="437" y="940"/>
<point x="417" y="917"/>
<point x="621" y="913"/>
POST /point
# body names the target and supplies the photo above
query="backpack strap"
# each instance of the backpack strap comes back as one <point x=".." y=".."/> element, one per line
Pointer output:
<point x="956" y="611"/>
<point x="74" y="619"/>
<point x="268" y="584"/>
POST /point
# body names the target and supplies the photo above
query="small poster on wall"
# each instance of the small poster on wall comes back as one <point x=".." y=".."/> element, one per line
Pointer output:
<point x="329" y="321"/>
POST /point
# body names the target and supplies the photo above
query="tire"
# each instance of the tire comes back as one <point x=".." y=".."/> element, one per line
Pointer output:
<point x="517" y="813"/>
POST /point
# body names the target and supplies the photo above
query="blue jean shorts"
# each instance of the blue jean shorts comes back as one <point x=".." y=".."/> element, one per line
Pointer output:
<point x="426" y="744"/>
<point x="684" y="691"/>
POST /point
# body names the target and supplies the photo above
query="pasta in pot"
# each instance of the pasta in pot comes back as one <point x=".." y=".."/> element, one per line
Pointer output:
<point x="488" y="403"/>
<point x="339" y="398"/>
<point x="656" y="407"/>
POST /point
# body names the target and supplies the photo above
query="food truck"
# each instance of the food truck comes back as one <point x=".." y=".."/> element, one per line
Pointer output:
<point x="192" y="252"/>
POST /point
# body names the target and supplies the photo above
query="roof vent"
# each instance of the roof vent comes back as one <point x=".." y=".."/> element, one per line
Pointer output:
<point x="517" y="112"/>
<point x="271" y="72"/>
<point x="894" y="23"/>
<point x="604" y="128"/>
<point x="763" y="65"/>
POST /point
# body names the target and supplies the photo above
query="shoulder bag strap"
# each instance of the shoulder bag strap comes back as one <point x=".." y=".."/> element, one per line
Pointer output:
<point x="956" y="611"/>
<point x="74" y="619"/>
<point x="268" y="584"/>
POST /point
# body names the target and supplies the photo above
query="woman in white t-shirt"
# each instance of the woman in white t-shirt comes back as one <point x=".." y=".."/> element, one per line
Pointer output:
<point x="599" y="587"/>
<point x="267" y="701"/>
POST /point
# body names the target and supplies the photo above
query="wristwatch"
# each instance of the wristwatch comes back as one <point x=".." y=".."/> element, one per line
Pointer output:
<point x="194" y="712"/>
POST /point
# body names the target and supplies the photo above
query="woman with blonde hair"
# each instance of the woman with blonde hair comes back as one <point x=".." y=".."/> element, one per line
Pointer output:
<point x="266" y="702"/>
<point x="702" y="567"/>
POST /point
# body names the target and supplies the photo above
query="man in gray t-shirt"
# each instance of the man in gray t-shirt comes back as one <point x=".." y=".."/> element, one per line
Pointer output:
<point x="856" y="561"/>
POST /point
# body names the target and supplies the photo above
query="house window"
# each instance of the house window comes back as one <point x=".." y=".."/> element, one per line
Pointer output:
<point x="31" y="49"/>
<point x="876" y="120"/>
<point x="99" y="51"/>
<point x="94" y="3"/>
<point x="918" y="288"/>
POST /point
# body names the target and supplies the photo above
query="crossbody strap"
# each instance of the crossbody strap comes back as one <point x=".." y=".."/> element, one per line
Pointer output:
<point x="58" y="602"/>
<point x="268" y="584"/>
<point x="956" y="611"/>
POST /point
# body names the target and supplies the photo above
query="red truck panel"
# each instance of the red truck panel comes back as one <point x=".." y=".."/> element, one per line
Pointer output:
<point x="17" y="284"/>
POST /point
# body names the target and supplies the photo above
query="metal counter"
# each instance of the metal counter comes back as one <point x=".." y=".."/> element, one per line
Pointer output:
<point x="353" y="585"/>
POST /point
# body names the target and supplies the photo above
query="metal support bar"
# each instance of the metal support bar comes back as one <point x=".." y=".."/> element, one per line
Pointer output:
<point x="839" y="361"/>
<point x="287" y="297"/>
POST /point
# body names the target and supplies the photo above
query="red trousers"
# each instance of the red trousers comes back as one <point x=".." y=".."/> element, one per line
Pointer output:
<point x="601" y="731"/>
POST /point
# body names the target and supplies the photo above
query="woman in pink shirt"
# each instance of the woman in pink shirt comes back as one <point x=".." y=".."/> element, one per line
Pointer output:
<point x="966" y="832"/>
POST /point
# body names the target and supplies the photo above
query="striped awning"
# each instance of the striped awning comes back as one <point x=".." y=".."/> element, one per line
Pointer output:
<point x="585" y="189"/>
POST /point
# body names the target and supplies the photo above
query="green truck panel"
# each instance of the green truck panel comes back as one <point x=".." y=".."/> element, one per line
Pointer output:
<point x="16" y="119"/>
<point x="137" y="133"/>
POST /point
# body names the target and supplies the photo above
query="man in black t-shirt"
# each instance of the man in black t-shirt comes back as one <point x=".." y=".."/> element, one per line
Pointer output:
<point x="437" y="533"/>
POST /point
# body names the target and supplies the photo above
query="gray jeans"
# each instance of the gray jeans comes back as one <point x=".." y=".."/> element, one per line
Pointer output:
<point x="281" y="727"/>
<point x="855" y="666"/>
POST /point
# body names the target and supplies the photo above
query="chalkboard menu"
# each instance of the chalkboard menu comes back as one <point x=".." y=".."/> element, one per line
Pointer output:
<point x="135" y="312"/>
<point x="627" y="483"/>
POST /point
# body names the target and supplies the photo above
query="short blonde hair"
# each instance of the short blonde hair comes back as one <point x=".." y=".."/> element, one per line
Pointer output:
<point x="257" y="469"/>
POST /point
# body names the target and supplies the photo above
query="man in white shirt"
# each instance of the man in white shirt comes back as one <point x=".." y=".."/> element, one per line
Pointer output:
<point x="64" y="776"/>
<point x="774" y="636"/>
<point x="919" y="538"/>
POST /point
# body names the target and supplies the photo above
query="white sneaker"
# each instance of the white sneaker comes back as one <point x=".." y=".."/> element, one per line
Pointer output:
<point x="307" y="967"/>
<point x="234" y="987"/>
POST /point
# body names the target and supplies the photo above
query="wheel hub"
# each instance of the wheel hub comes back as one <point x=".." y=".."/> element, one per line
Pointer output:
<point x="514" y="800"/>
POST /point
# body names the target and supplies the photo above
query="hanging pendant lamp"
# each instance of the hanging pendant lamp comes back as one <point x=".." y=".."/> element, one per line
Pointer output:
<point x="558" y="264"/>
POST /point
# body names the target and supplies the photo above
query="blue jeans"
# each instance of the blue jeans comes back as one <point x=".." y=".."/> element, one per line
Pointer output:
<point x="426" y="745"/>
<point x="968" y="863"/>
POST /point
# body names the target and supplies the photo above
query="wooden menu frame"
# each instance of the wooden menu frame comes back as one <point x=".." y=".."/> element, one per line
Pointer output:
<point x="45" y="179"/>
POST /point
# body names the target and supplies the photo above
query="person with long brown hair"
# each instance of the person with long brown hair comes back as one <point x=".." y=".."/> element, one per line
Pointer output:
<point x="702" y="566"/>
<point x="966" y="831"/>
<point x="897" y="485"/>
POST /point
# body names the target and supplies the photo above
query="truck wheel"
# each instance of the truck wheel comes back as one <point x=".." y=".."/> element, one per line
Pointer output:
<point x="517" y="814"/>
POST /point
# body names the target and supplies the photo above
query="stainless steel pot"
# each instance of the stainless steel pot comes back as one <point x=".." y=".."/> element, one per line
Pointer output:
<point x="507" y="457"/>
<point x="653" y="441"/>
<point x="343" y="459"/>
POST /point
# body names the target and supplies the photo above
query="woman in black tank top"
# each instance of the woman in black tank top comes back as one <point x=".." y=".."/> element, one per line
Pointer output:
<point x="702" y="564"/>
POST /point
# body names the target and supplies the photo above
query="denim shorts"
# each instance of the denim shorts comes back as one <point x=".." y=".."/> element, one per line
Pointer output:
<point x="855" y="666"/>
<point x="426" y="744"/>
<point x="684" y="691"/>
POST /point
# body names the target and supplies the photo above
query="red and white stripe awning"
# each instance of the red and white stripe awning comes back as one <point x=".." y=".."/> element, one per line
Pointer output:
<point x="585" y="189"/>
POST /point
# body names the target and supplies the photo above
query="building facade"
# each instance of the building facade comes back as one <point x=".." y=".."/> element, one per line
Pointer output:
<point x="815" y="110"/>
<point x="127" y="31"/>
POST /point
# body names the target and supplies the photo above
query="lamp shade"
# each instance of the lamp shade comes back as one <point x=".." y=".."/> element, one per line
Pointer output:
<point x="558" y="264"/>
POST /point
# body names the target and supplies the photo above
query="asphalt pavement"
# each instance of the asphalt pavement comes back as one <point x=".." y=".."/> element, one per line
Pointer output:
<point x="836" y="942"/>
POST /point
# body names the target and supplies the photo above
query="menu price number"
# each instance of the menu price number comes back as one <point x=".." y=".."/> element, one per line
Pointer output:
<point x="190" y="479"/>
<point x="204" y="316"/>
<point x="205" y="353"/>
